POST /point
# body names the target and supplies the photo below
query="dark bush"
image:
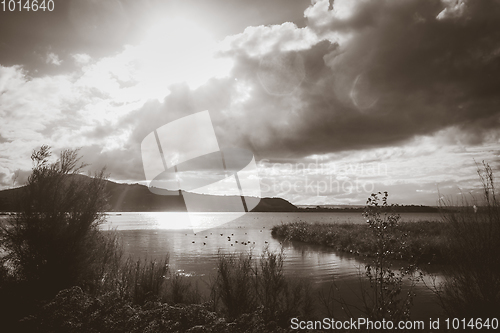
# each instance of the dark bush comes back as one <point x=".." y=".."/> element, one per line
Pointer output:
<point x="54" y="242"/>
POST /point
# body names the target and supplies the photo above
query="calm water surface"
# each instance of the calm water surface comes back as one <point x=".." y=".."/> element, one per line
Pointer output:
<point x="155" y="235"/>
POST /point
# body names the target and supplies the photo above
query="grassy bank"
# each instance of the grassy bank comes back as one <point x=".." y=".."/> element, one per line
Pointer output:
<point x="248" y="295"/>
<point x="423" y="241"/>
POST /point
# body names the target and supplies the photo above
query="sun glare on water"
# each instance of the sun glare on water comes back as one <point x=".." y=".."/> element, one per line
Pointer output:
<point x="167" y="220"/>
<point x="171" y="220"/>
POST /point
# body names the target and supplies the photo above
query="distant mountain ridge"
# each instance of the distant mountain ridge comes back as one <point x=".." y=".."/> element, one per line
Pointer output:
<point x="138" y="198"/>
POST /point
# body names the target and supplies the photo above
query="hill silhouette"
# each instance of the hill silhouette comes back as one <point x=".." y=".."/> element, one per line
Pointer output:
<point x="138" y="198"/>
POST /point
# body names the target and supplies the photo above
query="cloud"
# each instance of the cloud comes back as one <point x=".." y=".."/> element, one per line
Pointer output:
<point x="260" y="40"/>
<point x="30" y="104"/>
<point x="81" y="58"/>
<point x="361" y="75"/>
<point x="53" y="59"/>
<point x="370" y="74"/>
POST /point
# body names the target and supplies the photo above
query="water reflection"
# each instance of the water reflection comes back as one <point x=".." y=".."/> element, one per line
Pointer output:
<point x="196" y="254"/>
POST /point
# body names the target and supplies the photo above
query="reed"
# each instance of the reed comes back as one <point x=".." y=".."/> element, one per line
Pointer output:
<point x="472" y="285"/>
<point x="245" y="284"/>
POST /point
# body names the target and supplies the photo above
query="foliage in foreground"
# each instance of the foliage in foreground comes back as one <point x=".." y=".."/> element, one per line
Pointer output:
<point x="54" y="242"/>
<point x="248" y="296"/>
<point x="382" y="297"/>
<point x="54" y="247"/>
<point x="472" y="284"/>
<point x="73" y="311"/>
<point x="386" y="299"/>
<point x="244" y="285"/>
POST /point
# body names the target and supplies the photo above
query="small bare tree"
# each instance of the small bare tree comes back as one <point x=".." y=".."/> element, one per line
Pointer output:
<point x="387" y="299"/>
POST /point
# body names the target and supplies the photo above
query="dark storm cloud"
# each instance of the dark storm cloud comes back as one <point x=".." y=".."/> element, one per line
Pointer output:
<point x="421" y="73"/>
<point x="389" y="71"/>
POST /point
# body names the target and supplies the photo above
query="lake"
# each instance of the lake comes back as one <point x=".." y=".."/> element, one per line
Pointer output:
<point x="154" y="235"/>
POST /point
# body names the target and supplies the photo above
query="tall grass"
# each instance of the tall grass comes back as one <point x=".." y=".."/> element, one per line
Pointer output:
<point x="472" y="286"/>
<point x="181" y="291"/>
<point x="144" y="280"/>
<point x="233" y="286"/>
<point x="245" y="284"/>
<point x="281" y="298"/>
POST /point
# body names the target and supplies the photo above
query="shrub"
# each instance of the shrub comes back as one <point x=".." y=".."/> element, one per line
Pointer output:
<point x="384" y="297"/>
<point x="386" y="301"/>
<point x="54" y="242"/>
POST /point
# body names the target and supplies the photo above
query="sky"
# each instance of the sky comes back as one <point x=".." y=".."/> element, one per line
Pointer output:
<point x="335" y="99"/>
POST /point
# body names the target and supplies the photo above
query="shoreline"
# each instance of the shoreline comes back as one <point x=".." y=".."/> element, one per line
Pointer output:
<point x="418" y="242"/>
